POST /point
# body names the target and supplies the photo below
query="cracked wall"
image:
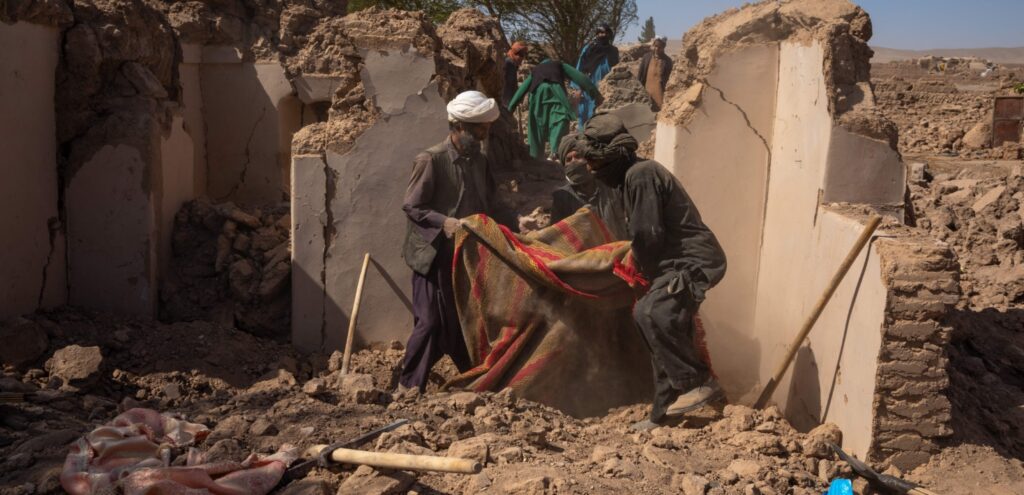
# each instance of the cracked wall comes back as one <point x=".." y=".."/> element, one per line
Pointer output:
<point x="722" y="160"/>
<point x="246" y="131"/>
<point x="361" y="210"/>
<point x="31" y="243"/>
<point x="769" y="124"/>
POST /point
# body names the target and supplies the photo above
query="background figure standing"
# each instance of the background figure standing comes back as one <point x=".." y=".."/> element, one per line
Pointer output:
<point x="550" y="113"/>
<point x="596" y="61"/>
<point x="449" y="181"/>
<point x="654" y="71"/>
<point x="513" y="60"/>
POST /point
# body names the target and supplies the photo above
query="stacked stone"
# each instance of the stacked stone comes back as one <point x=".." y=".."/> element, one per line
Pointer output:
<point x="912" y="412"/>
<point x="231" y="262"/>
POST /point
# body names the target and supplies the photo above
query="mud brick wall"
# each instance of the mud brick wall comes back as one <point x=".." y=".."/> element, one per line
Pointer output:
<point x="912" y="412"/>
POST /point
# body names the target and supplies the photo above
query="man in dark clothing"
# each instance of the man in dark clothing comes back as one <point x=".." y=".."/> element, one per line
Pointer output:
<point x="676" y="252"/>
<point x="655" y="69"/>
<point x="513" y="60"/>
<point x="583" y="190"/>
<point x="449" y="181"/>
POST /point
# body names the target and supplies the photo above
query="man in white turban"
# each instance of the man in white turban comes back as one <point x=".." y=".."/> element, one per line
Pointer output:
<point x="449" y="181"/>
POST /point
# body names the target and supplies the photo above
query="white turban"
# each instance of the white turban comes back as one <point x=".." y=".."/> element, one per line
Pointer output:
<point x="473" y="107"/>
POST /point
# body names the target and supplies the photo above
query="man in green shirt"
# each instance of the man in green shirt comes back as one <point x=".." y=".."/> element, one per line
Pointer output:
<point x="550" y="113"/>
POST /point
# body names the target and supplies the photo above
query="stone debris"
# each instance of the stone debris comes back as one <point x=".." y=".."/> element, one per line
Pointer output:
<point x="227" y="287"/>
<point x="24" y="342"/>
<point x="946" y="112"/>
<point x="75" y="365"/>
<point x="230" y="264"/>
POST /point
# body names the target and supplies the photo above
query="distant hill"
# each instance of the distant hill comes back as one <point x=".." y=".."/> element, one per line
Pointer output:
<point x="997" y="55"/>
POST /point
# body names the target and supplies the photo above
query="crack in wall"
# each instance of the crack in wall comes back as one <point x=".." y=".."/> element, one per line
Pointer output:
<point x="768" y="169"/>
<point x="53" y="225"/>
<point x="746" y="118"/>
<point x="248" y="156"/>
<point x="329" y="233"/>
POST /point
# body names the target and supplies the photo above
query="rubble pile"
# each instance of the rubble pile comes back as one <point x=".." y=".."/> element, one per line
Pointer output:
<point x="230" y="265"/>
<point x="942" y="113"/>
<point x="620" y="88"/>
<point x="255" y="395"/>
<point x="978" y="210"/>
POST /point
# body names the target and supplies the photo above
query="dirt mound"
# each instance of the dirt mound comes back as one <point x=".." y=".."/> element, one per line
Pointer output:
<point x="263" y="30"/>
<point x="230" y="265"/>
<point x="977" y="209"/>
<point x="843" y="28"/>
<point x="255" y="395"/>
<point x="948" y="111"/>
<point x="977" y="470"/>
<point x="620" y="88"/>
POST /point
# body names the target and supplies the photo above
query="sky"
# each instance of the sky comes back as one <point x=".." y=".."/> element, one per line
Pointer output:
<point x="905" y="24"/>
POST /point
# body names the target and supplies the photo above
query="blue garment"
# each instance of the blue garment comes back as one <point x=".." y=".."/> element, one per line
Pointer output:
<point x="840" y="487"/>
<point x="586" y="107"/>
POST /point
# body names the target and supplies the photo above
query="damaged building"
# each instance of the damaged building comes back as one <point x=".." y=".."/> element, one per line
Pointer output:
<point x="197" y="161"/>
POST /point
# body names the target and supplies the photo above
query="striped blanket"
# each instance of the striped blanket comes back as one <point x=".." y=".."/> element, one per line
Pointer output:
<point x="549" y="314"/>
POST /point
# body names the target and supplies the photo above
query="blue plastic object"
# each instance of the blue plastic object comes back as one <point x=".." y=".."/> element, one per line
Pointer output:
<point x="840" y="487"/>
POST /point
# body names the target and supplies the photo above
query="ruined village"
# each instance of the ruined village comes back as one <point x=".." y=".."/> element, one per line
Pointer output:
<point x="205" y="256"/>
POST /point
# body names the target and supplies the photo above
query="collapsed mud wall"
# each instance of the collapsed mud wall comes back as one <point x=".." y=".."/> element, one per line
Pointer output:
<point x="149" y="105"/>
<point x="770" y="123"/>
<point x="32" y="239"/>
<point x="391" y="73"/>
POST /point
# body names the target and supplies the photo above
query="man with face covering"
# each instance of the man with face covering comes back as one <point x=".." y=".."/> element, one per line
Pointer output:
<point x="585" y="191"/>
<point x="449" y="181"/>
<point x="678" y="254"/>
<point x="596" y="61"/>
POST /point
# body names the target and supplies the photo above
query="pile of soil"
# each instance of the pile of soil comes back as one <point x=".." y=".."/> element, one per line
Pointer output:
<point x="978" y="208"/>
<point x="256" y="394"/>
<point x="943" y="112"/>
<point x="230" y="265"/>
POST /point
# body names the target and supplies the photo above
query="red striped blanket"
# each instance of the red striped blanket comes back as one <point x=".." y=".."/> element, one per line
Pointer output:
<point x="549" y="314"/>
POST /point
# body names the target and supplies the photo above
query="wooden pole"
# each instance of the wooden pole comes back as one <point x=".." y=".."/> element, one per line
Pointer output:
<point x="354" y="316"/>
<point x="858" y="246"/>
<point x="405" y="462"/>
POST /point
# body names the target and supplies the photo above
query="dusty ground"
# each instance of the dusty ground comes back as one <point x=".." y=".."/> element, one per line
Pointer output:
<point x="256" y="394"/>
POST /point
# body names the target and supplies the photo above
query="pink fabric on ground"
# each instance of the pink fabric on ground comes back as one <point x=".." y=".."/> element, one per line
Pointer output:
<point x="133" y="453"/>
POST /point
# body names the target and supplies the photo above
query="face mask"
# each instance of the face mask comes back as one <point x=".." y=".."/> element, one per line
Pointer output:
<point x="612" y="173"/>
<point x="577" y="174"/>
<point x="467" y="142"/>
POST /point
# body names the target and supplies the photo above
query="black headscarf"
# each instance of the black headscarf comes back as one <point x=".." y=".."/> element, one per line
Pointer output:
<point x="597" y="51"/>
<point x="547" y="71"/>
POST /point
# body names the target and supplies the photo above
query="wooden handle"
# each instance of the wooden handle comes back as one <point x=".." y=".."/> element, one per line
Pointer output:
<point x="354" y="316"/>
<point x="405" y="462"/>
<point x="862" y="241"/>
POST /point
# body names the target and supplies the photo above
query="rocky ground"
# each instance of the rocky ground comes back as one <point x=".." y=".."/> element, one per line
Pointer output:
<point x="80" y="369"/>
<point x="947" y="112"/>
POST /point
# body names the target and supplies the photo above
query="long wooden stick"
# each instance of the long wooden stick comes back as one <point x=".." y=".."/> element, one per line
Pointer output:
<point x="354" y="316"/>
<point x="405" y="462"/>
<point x="862" y="241"/>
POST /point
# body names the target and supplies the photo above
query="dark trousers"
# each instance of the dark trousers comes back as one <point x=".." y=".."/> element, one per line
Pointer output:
<point x="436" y="329"/>
<point x="664" y="317"/>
